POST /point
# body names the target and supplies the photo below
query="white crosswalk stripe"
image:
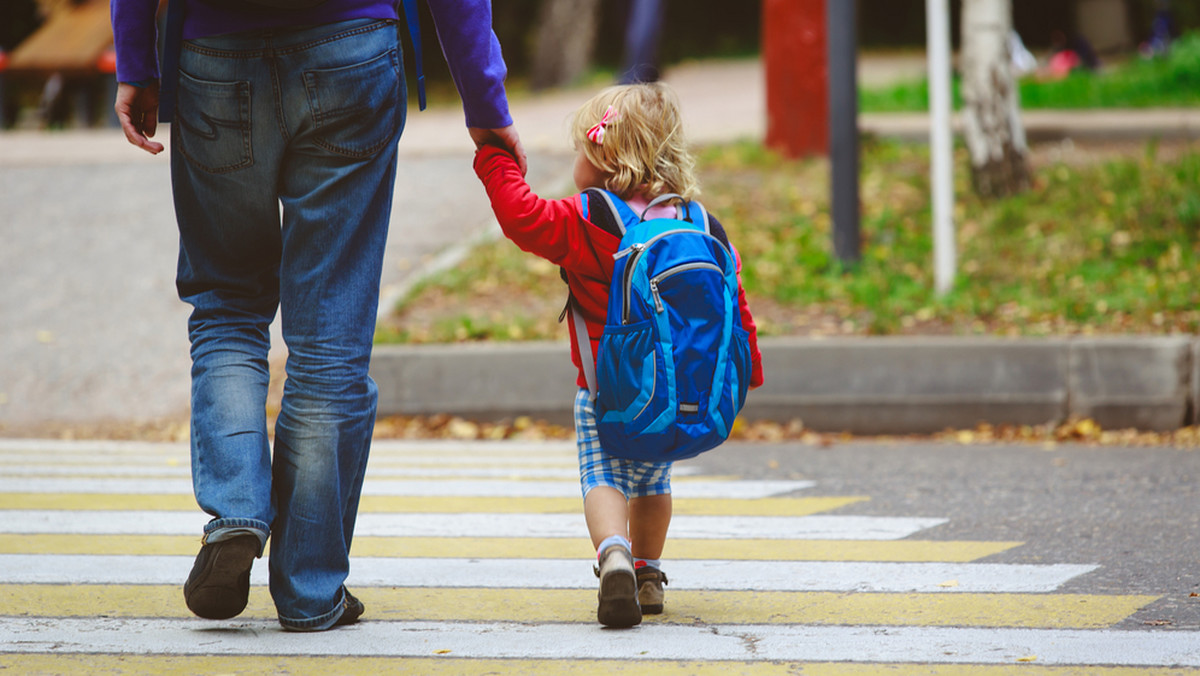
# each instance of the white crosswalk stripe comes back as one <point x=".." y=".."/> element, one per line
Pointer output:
<point x="573" y="574"/>
<point x="673" y="642"/>
<point x="379" y="486"/>
<point x="487" y="525"/>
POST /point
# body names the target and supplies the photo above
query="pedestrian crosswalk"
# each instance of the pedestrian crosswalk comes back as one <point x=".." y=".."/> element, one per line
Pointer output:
<point x="473" y="558"/>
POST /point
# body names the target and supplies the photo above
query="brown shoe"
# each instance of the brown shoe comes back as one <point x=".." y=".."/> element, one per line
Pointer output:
<point x="618" y="589"/>
<point x="219" y="584"/>
<point x="650" y="582"/>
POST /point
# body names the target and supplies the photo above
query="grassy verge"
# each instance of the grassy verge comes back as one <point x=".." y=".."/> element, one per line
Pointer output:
<point x="1102" y="248"/>
<point x="1173" y="80"/>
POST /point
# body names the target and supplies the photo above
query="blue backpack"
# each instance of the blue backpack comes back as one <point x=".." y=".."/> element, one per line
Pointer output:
<point x="674" y="362"/>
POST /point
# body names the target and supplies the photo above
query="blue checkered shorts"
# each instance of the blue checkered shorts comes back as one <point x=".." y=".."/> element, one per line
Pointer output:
<point x="597" y="468"/>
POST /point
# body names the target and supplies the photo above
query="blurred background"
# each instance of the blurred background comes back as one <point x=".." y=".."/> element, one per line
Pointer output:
<point x="1082" y="219"/>
<point x="57" y="63"/>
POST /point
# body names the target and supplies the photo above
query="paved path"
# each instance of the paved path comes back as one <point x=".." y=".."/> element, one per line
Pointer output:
<point x="473" y="558"/>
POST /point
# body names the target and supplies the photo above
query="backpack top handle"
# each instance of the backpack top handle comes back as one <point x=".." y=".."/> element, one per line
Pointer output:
<point x="681" y="210"/>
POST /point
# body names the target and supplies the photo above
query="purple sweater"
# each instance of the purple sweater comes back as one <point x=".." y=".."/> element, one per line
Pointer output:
<point x="464" y="29"/>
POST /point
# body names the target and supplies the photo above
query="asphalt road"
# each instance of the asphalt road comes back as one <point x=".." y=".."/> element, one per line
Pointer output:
<point x="1133" y="511"/>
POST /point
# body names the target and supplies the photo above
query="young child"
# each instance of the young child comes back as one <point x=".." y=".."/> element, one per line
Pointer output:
<point x="629" y="141"/>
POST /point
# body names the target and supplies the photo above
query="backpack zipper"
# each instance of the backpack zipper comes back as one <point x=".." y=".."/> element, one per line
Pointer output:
<point x="641" y="248"/>
<point x="658" y="305"/>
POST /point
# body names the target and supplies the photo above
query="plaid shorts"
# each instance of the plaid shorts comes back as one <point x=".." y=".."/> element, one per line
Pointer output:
<point x="596" y="468"/>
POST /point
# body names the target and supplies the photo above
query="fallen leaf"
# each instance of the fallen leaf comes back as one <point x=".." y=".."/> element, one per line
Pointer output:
<point x="443" y="651"/>
<point x="1028" y="658"/>
<point x="948" y="583"/>
<point x="462" y="429"/>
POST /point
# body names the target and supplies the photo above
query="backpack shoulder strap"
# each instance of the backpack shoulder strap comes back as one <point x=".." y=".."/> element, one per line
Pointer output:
<point x="702" y="217"/>
<point x="585" y="348"/>
<point x="622" y="215"/>
<point x="412" y="17"/>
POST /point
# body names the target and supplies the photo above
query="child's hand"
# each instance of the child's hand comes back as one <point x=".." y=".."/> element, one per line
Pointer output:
<point x="504" y="137"/>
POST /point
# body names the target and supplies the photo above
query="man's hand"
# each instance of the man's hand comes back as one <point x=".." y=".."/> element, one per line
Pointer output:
<point x="137" y="110"/>
<point x="505" y="137"/>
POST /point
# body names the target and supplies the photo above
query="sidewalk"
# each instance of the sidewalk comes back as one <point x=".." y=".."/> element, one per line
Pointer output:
<point x="90" y="328"/>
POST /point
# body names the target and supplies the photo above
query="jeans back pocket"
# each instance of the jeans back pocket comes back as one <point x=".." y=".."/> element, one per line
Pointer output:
<point x="213" y="124"/>
<point x="357" y="109"/>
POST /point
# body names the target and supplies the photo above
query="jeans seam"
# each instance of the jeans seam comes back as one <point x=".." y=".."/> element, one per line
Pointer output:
<point x="291" y="49"/>
<point x="280" y="113"/>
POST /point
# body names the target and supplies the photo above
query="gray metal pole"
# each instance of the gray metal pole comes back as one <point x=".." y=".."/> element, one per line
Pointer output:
<point x="941" y="144"/>
<point x="843" y="128"/>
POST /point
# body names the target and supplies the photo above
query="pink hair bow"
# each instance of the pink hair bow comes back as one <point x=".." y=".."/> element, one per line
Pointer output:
<point x="596" y="133"/>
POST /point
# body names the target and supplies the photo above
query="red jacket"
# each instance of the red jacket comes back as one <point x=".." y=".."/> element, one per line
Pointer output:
<point x="557" y="231"/>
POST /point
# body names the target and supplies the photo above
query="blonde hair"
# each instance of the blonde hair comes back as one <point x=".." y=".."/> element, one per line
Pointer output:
<point x="644" y="150"/>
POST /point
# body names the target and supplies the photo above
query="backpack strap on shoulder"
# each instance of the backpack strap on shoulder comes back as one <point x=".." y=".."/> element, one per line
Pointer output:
<point x="704" y="219"/>
<point x="621" y="212"/>
<point x="412" y="17"/>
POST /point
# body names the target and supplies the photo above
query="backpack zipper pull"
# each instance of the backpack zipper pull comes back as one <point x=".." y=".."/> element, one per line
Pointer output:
<point x="657" y="299"/>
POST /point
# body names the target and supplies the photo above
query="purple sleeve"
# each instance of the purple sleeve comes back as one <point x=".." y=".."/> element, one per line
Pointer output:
<point x="472" y="51"/>
<point x="134" y="36"/>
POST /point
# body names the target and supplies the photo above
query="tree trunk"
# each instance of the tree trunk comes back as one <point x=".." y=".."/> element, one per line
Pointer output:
<point x="566" y="33"/>
<point x="991" y="104"/>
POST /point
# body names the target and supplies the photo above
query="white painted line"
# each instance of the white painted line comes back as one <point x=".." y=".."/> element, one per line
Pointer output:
<point x="428" y="460"/>
<point x="43" y="446"/>
<point x="910" y="645"/>
<point x="393" y="472"/>
<point x="431" y="447"/>
<point x="463" y="488"/>
<point x="576" y="574"/>
<point x="485" y="525"/>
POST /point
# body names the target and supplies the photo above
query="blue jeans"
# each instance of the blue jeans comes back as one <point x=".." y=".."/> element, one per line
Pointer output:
<point x="283" y="165"/>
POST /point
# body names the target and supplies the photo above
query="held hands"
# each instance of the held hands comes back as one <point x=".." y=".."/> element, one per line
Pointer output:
<point x="137" y="110"/>
<point x="505" y="137"/>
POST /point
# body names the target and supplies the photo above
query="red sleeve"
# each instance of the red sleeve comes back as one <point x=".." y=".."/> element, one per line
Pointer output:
<point x="552" y="229"/>
<point x="756" y="377"/>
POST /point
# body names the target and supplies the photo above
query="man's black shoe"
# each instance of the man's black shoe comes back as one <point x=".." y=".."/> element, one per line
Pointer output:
<point x="352" y="609"/>
<point x="219" y="585"/>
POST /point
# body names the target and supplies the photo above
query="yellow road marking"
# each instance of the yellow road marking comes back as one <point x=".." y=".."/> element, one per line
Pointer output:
<point x="1080" y="611"/>
<point x="434" y="505"/>
<point x="901" y="551"/>
<point x="451" y="666"/>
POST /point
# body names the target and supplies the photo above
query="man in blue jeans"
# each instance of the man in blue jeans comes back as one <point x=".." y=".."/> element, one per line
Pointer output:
<point x="283" y="165"/>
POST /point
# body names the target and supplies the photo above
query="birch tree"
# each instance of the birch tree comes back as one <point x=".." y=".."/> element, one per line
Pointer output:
<point x="566" y="34"/>
<point x="991" y="105"/>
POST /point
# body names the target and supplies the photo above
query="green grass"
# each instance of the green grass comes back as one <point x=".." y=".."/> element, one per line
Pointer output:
<point x="1106" y="248"/>
<point x="1170" y="81"/>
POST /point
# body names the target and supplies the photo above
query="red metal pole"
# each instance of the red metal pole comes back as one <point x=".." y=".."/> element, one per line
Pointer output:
<point x="796" y="62"/>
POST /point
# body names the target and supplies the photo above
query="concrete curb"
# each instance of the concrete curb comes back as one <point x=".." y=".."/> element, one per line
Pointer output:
<point x="861" y="385"/>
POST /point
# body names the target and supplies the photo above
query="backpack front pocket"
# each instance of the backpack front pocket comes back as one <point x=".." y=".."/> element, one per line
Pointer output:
<point x="629" y="374"/>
